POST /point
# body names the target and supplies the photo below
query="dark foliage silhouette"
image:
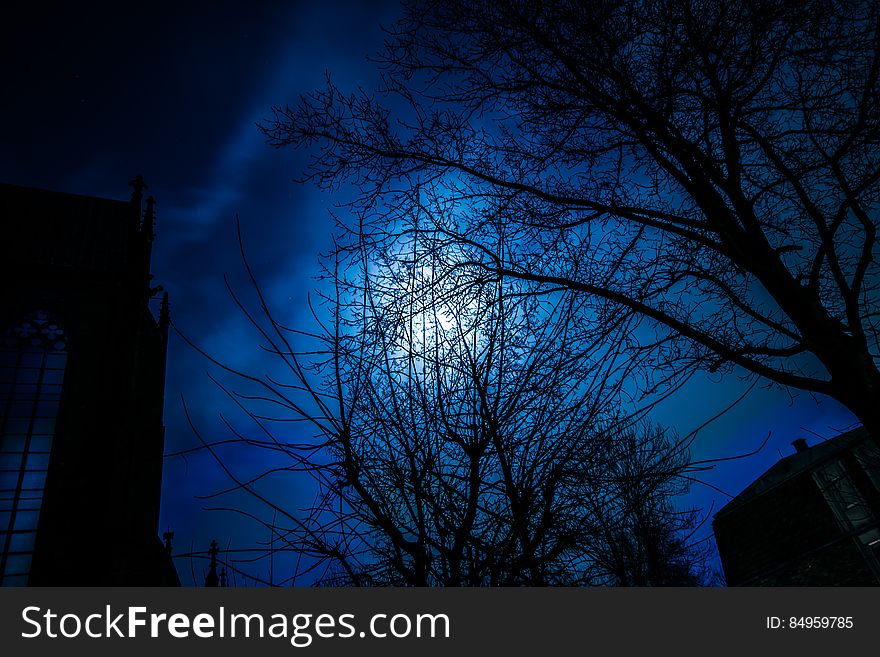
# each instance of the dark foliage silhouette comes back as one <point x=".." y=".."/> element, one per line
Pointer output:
<point x="708" y="170"/>
<point x="457" y="435"/>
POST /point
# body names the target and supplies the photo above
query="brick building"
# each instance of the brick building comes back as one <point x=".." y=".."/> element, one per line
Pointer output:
<point x="810" y="520"/>
<point x="82" y="376"/>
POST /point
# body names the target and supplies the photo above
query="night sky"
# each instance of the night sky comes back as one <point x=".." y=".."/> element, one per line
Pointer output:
<point x="94" y="95"/>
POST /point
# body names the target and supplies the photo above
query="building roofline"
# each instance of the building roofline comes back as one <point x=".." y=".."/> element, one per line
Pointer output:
<point x="793" y="465"/>
<point x="79" y="197"/>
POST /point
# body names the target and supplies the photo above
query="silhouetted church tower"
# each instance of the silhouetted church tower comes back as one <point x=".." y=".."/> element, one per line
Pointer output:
<point x="82" y="376"/>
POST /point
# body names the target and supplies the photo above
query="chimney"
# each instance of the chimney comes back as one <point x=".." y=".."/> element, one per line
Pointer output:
<point x="800" y="445"/>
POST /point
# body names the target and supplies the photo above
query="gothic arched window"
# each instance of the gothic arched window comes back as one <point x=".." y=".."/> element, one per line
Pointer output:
<point x="33" y="355"/>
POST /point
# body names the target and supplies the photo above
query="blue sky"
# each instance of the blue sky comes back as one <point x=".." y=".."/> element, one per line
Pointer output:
<point x="94" y="95"/>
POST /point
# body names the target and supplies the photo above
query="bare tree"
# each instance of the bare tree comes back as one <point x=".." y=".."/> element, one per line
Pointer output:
<point x="461" y="434"/>
<point x="709" y="167"/>
<point x="641" y="538"/>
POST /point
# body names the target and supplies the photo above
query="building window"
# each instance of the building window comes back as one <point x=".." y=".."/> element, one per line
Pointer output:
<point x="33" y="356"/>
<point x="868" y="455"/>
<point x="843" y="497"/>
<point x="872" y="540"/>
<point x="851" y="510"/>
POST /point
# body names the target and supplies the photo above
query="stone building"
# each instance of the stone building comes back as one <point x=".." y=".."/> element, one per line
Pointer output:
<point x="810" y="520"/>
<point x="82" y="376"/>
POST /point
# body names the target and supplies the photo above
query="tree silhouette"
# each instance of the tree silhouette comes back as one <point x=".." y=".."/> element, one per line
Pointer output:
<point x="640" y="538"/>
<point x="461" y="435"/>
<point x="709" y="169"/>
